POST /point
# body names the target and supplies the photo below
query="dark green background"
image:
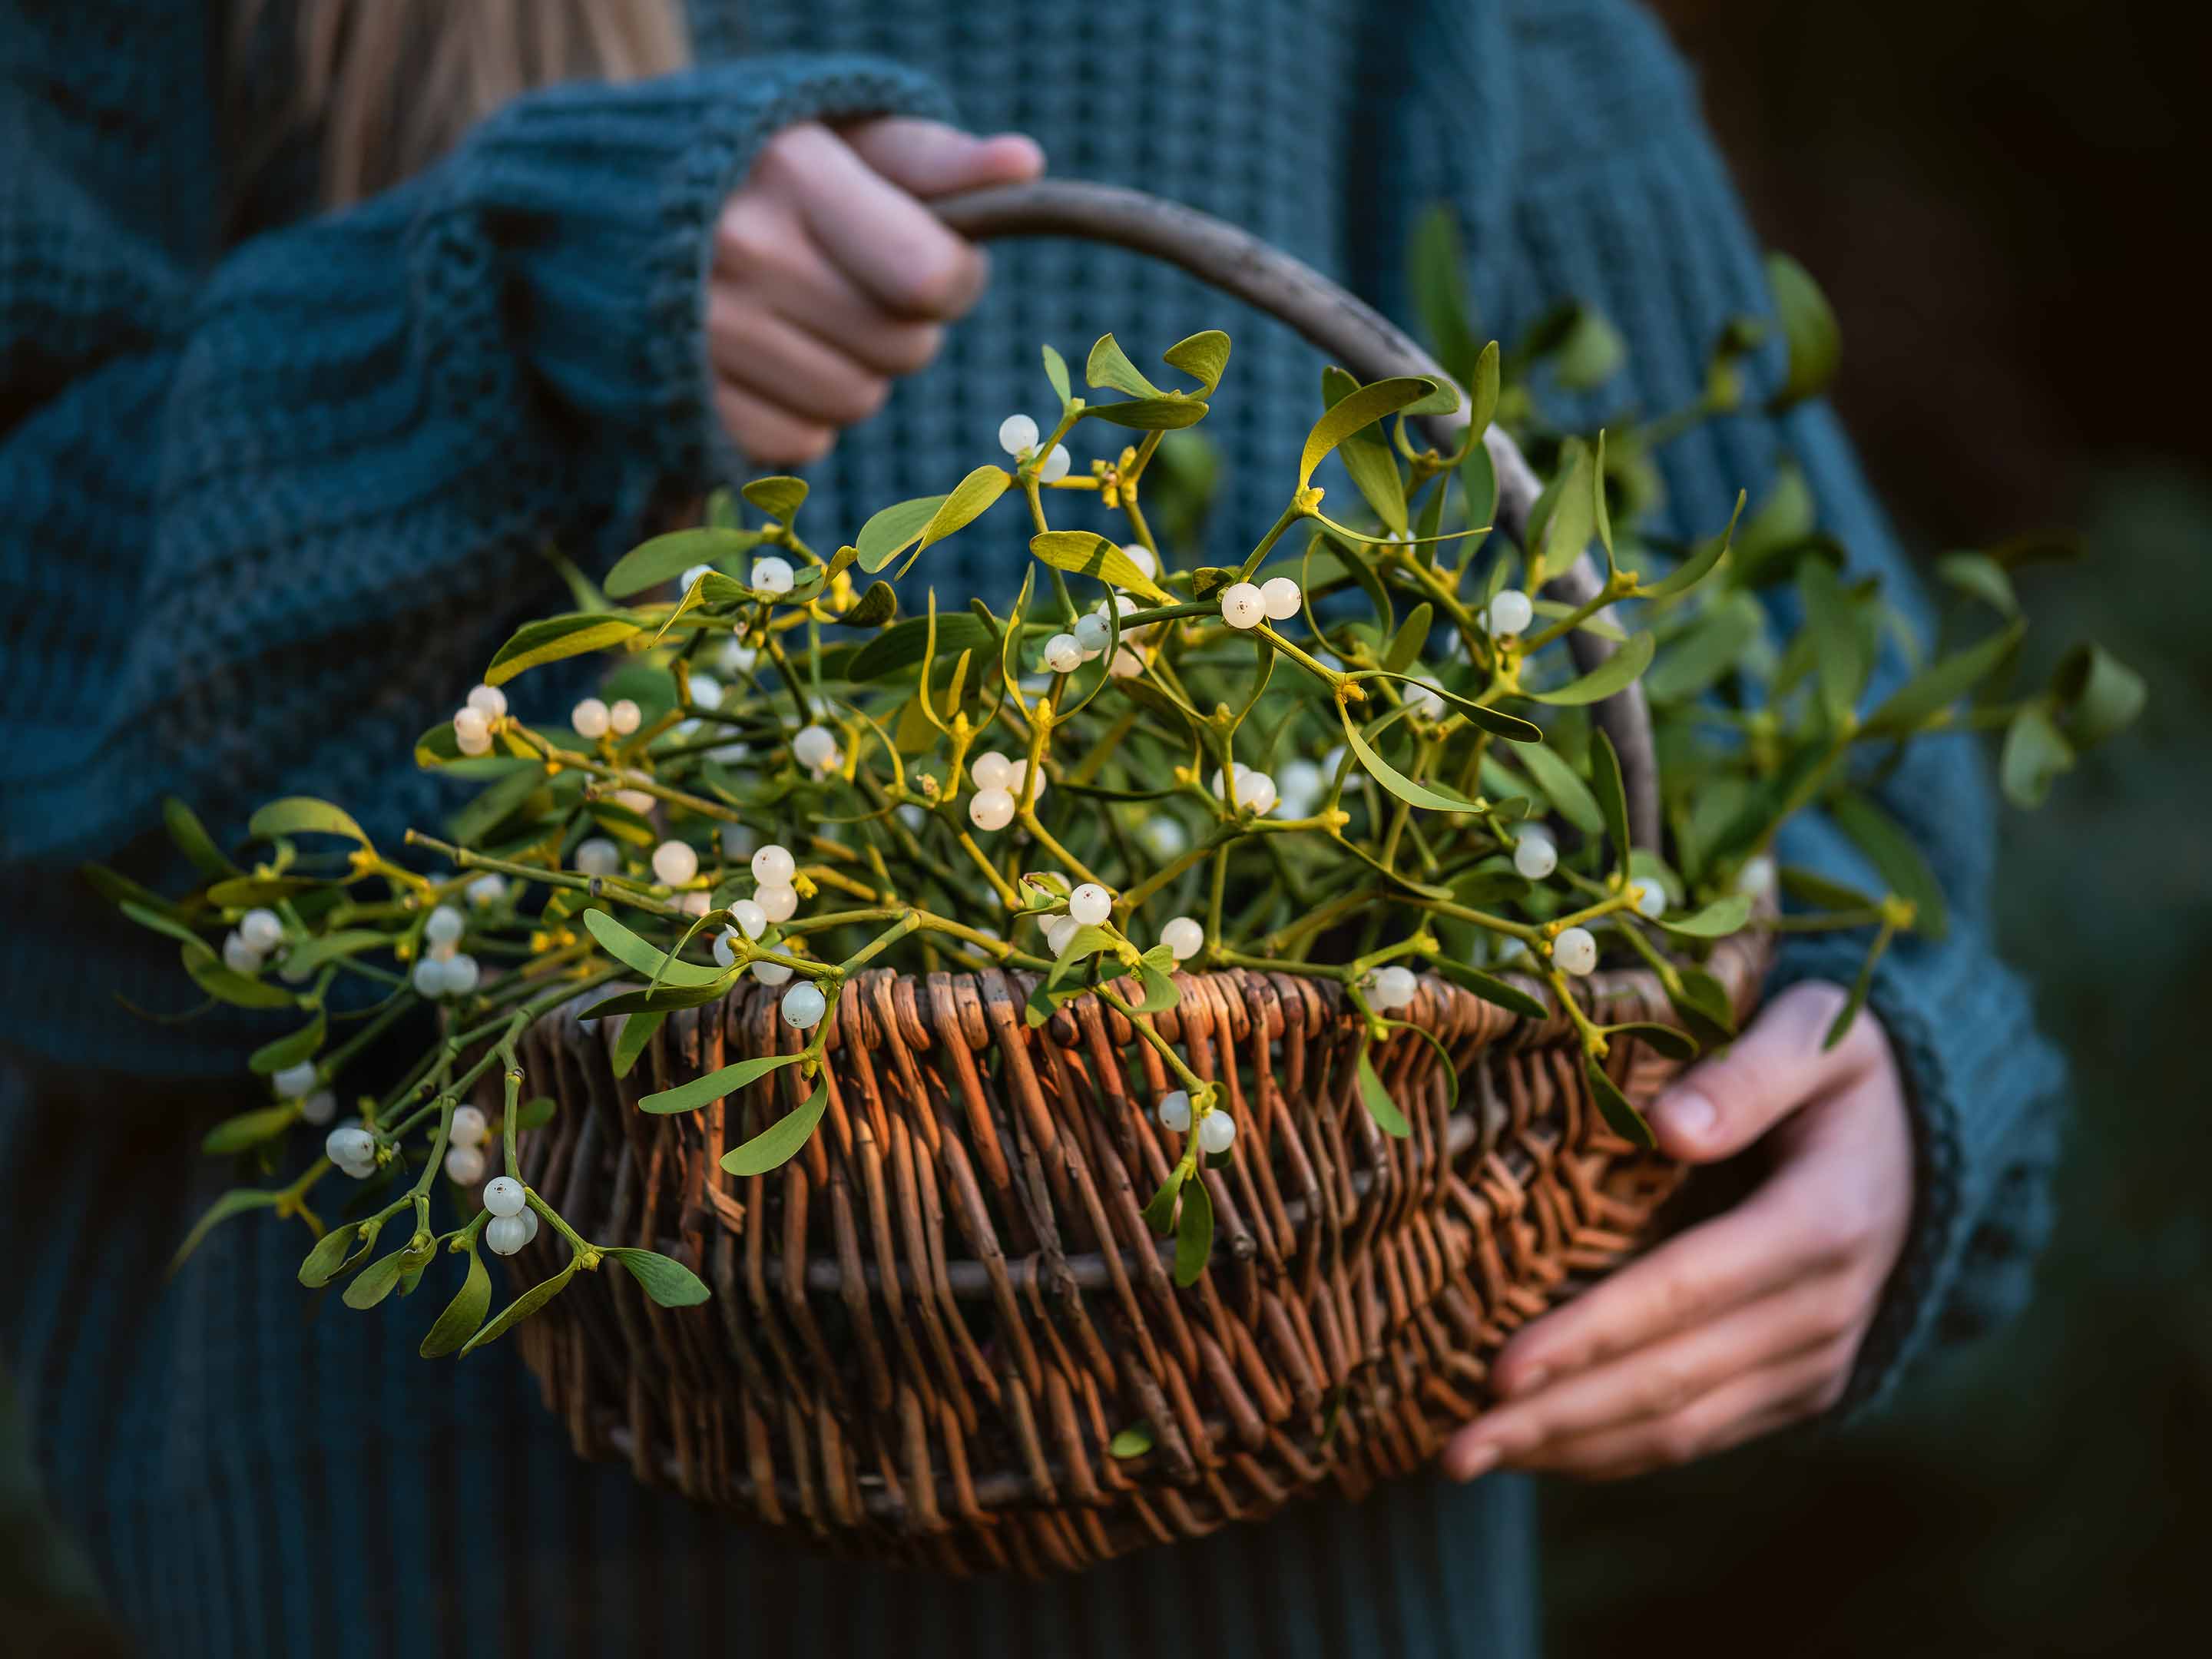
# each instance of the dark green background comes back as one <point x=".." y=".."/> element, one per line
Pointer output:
<point x="2003" y="203"/>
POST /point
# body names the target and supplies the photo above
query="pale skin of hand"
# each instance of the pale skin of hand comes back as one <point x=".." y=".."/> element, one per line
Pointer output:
<point x="830" y="279"/>
<point x="1750" y="1321"/>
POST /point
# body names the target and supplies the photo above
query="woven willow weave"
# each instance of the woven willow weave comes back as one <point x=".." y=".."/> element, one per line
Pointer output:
<point x="927" y="1329"/>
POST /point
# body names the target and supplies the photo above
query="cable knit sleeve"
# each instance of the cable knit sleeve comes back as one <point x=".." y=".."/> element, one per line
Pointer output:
<point x="1572" y="145"/>
<point x="269" y="514"/>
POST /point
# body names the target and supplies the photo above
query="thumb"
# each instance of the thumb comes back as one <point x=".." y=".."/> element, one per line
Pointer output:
<point x="928" y="158"/>
<point x="1719" y="1108"/>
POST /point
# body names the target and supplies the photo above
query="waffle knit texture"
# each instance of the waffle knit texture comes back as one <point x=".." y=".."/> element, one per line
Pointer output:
<point x="272" y="499"/>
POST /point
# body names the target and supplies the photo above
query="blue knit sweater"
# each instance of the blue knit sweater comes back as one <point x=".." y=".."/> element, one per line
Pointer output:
<point x="264" y="502"/>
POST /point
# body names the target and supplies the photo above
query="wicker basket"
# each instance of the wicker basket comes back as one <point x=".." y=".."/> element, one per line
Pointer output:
<point x="928" y="1328"/>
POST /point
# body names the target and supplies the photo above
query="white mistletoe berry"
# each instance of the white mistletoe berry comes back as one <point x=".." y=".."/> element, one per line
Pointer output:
<point x="1141" y="556"/>
<point x="503" y="1195"/>
<point x="1256" y="792"/>
<point x="1281" y="598"/>
<point x="1510" y="612"/>
<point x="1242" y="605"/>
<point x="623" y="717"/>
<point x="468" y="1128"/>
<point x="634" y="800"/>
<point x="1093" y="633"/>
<point x="262" y="930"/>
<point x="294" y="1081"/>
<point x="1651" y="901"/>
<point x="1058" y="930"/>
<point x="1164" y="837"/>
<point x="319" y="1108"/>
<point x="750" y="917"/>
<point x="1173" y="1111"/>
<point x="598" y="856"/>
<point x="675" y="862"/>
<point x="1055" y="467"/>
<point x="240" y="957"/>
<point x="1018" y="777"/>
<point x="1301" y="785"/>
<point x="1426" y="702"/>
<point x="705" y="690"/>
<point x="1756" y="878"/>
<point x="461" y="976"/>
<point x="444" y="925"/>
<point x="1126" y="665"/>
<point x="1063" y="653"/>
<point x="697" y="903"/>
<point x="989" y="769"/>
<point x="814" y="745"/>
<point x="1535" y="854"/>
<point x="1575" y="951"/>
<point x="1184" y="937"/>
<point x="1390" y="987"/>
<point x="693" y="575"/>
<point x="770" y="973"/>
<point x="506" y="1234"/>
<point x="803" y="1006"/>
<point x="725" y="947"/>
<point x="428" y="977"/>
<point x="488" y="700"/>
<point x="775" y="901"/>
<point x="590" y="719"/>
<point x="773" y="866"/>
<point x="1018" y="435"/>
<point x="1216" y="1131"/>
<point x="772" y="575"/>
<point x="1090" y="904"/>
<point x="991" y="809"/>
<point x="465" y="1165"/>
<point x="471" y="731"/>
<point x="352" y="1149"/>
<point x="487" y="890"/>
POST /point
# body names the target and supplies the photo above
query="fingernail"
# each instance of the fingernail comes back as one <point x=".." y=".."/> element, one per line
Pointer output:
<point x="1473" y="1465"/>
<point x="1686" y="1113"/>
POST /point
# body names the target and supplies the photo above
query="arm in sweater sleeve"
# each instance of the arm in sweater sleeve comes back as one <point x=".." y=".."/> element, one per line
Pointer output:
<point x="1573" y="145"/>
<point x="266" y="515"/>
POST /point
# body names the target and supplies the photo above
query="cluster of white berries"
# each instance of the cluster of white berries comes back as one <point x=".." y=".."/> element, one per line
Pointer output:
<point x="1217" y="1130"/>
<point x="514" y="1223"/>
<point x="317" y="1105"/>
<point x="1246" y="604"/>
<point x="472" y="720"/>
<point x="593" y="719"/>
<point x="445" y="969"/>
<point x="1390" y="987"/>
<point x="999" y="783"/>
<point x="1255" y="791"/>
<point x="1018" y="435"/>
<point x="1574" y="951"/>
<point x="352" y="1149"/>
<point x="774" y="899"/>
<point x="816" y="748"/>
<point x="248" y="944"/>
<point x="1094" y="632"/>
<point x="1508" y="614"/>
<point x="465" y="1146"/>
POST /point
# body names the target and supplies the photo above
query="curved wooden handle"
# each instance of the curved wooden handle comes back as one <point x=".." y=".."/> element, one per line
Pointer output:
<point x="1359" y="338"/>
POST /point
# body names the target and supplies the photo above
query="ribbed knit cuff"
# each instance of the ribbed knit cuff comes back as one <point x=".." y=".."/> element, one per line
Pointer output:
<point x="596" y="206"/>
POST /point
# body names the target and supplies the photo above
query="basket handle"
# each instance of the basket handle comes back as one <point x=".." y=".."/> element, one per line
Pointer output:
<point x="1349" y="329"/>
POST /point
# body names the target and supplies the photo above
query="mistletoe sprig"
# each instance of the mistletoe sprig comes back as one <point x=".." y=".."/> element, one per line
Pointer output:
<point x="1374" y="746"/>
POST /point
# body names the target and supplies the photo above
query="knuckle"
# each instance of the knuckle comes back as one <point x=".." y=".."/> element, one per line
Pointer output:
<point x="938" y="279"/>
<point x="1663" y="1387"/>
<point x="910" y="349"/>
